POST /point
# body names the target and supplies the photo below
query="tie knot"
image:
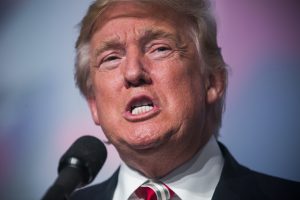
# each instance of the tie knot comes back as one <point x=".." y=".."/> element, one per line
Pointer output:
<point x="154" y="190"/>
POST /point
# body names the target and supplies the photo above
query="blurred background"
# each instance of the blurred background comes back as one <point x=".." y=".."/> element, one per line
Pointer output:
<point x="42" y="113"/>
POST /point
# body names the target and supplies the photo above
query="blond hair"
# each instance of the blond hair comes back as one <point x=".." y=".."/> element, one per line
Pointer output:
<point x="205" y="33"/>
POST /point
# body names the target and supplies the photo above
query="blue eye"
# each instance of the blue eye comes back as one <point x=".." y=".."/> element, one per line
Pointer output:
<point x="162" y="49"/>
<point x="110" y="58"/>
<point x="109" y="62"/>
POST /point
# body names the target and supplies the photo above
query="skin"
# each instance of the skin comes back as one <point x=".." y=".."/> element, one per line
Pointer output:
<point x="138" y="55"/>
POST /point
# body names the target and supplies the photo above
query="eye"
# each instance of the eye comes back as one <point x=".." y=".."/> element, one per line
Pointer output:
<point x="109" y="62"/>
<point x="160" y="51"/>
<point x="110" y="58"/>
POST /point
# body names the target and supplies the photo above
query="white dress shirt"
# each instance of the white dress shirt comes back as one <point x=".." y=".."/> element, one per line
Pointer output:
<point x="195" y="180"/>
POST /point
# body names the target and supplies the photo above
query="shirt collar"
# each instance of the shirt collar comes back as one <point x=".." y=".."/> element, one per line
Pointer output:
<point x="196" y="179"/>
<point x="128" y="181"/>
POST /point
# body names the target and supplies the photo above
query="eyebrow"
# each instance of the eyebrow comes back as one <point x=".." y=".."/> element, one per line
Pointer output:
<point x="153" y="34"/>
<point x="147" y="36"/>
<point x="113" y="43"/>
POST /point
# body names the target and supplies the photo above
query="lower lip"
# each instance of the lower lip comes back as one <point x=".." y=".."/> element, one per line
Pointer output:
<point x="141" y="117"/>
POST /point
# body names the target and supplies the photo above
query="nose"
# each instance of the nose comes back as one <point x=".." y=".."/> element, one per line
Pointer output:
<point x="135" y="71"/>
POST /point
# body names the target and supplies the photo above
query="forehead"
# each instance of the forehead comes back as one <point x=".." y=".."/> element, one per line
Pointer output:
<point x="159" y="15"/>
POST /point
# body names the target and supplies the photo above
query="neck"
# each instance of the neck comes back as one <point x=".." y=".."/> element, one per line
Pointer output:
<point x="159" y="162"/>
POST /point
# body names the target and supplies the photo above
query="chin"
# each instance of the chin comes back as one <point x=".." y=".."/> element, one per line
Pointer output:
<point x="144" y="142"/>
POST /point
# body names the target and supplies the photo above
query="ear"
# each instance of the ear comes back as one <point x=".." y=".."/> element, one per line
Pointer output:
<point x="93" y="109"/>
<point x="216" y="84"/>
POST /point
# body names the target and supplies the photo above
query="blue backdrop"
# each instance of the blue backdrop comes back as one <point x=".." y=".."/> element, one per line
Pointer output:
<point x="42" y="113"/>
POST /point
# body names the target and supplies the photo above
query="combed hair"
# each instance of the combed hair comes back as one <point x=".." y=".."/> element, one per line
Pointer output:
<point x="205" y="33"/>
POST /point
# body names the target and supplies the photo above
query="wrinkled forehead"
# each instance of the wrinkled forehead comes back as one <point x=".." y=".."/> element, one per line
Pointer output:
<point x="135" y="9"/>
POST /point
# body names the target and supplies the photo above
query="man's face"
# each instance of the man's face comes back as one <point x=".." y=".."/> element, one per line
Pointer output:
<point x="149" y="91"/>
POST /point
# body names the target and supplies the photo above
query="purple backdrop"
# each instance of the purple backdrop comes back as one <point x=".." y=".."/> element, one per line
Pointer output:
<point x="42" y="113"/>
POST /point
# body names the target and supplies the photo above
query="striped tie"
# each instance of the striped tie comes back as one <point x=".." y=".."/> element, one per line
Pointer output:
<point x="154" y="190"/>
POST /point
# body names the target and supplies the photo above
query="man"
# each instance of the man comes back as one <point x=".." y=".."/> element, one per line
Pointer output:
<point x="155" y="82"/>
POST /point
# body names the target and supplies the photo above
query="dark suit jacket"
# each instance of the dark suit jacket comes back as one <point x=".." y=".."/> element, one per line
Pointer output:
<point x="236" y="182"/>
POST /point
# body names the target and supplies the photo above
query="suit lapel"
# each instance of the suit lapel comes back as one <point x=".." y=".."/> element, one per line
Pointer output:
<point x="109" y="189"/>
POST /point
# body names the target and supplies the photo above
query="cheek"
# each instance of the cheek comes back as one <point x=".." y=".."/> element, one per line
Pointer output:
<point x="106" y="90"/>
<point x="178" y="75"/>
<point x="106" y="85"/>
<point x="184" y="85"/>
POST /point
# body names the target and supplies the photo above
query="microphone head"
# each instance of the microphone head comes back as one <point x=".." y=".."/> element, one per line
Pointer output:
<point x="87" y="154"/>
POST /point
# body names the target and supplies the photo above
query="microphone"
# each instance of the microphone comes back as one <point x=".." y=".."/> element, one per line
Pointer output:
<point x="77" y="167"/>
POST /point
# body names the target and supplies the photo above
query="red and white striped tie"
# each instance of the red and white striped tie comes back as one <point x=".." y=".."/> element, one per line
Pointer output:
<point x="154" y="190"/>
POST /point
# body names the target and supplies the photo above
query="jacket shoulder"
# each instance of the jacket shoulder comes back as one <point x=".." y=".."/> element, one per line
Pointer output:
<point x="239" y="182"/>
<point x="277" y="188"/>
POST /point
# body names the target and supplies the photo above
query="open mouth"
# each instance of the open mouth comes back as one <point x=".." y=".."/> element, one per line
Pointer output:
<point x="141" y="106"/>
